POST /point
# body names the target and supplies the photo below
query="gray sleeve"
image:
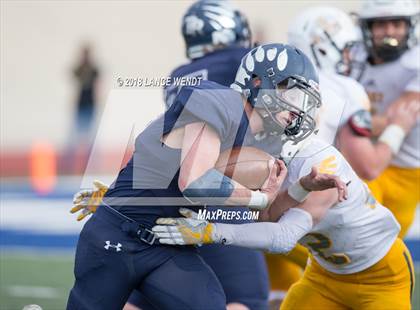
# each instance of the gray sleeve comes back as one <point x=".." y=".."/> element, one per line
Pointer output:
<point x="219" y="108"/>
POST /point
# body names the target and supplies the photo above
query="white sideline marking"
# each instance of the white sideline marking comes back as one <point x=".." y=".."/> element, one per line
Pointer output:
<point x="39" y="215"/>
<point x="33" y="291"/>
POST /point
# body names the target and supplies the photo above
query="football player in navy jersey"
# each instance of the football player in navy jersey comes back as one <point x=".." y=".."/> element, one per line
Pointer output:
<point x="173" y="165"/>
<point x="217" y="36"/>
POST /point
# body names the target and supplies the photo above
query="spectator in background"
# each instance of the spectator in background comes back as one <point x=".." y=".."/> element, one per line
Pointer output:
<point x="86" y="74"/>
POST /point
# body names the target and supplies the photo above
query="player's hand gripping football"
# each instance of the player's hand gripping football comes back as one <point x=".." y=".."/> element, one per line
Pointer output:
<point x="184" y="230"/>
<point x="88" y="200"/>
<point x="316" y="181"/>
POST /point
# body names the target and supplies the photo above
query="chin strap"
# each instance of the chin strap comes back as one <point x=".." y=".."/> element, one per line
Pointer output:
<point x="388" y="52"/>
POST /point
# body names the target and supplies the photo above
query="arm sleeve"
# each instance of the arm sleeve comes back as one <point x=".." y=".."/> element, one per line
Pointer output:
<point x="280" y="237"/>
<point x="361" y="123"/>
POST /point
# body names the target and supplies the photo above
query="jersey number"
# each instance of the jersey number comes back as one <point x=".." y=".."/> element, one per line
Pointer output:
<point x="323" y="243"/>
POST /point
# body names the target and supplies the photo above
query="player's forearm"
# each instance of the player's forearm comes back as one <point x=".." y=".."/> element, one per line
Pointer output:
<point x="382" y="158"/>
<point x="279" y="237"/>
<point x="370" y="161"/>
<point x="380" y="154"/>
<point x="311" y="185"/>
<point x="217" y="189"/>
<point x="281" y="204"/>
<point x="366" y="158"/>
<point x="379" y="123"/>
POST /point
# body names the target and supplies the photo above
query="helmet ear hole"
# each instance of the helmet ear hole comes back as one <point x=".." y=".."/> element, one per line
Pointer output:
<point x="322" y="51"/>
<point x="256" y="81"/>
<point x="283" y="84"/>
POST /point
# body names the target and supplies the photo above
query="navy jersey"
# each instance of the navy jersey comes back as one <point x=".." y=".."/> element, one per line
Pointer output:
<point x="144" y="188"/>
<point x="219" y="66"/>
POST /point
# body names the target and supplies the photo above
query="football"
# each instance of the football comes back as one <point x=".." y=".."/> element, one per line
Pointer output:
<point x="248" y="166"/>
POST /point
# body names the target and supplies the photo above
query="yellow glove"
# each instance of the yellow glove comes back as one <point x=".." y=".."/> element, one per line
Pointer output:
<point x="89" y="200"/>
<point x="183" y="231"/>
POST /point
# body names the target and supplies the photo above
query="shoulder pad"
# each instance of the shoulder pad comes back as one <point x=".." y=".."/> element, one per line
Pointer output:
<point x="357" y="93"/>
<point x="318" y="154"/>
<point x="410" y="59"/>
<point x="361" y="123"/>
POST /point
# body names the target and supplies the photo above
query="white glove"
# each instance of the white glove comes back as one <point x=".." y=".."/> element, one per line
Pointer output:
<point x="184" y="230"/>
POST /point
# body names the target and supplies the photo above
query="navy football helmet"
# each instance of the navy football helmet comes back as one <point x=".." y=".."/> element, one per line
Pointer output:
<point x="278" y="78"/>
<point x="209" y="25"/>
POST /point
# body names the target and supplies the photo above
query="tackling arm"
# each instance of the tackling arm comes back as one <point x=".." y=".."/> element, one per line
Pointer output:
<point x="366" y="158"/>
<point x="279" y="237"/>
<point x="381" y="121"/>
<point x="282" y="236"/>
<point x="369" y="159"/>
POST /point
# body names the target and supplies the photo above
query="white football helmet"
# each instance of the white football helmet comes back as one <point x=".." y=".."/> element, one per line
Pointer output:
<point x="388" y="9"/>
<point x="326" y="35"/>
<point x="372" y="10"/>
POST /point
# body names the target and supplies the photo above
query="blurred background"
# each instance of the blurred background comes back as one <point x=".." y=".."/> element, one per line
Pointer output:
<point x="62" y="104"/>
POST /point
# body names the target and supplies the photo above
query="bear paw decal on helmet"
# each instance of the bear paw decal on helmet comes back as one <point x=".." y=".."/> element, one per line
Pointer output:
<point x="281" y="83"/>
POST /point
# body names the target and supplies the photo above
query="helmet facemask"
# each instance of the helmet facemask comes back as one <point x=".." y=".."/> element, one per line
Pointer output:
<point x="289" y="110"/>
<point x="277" y="78"/>
<point x="343" y="60"/>
<point x="352" y="60"/>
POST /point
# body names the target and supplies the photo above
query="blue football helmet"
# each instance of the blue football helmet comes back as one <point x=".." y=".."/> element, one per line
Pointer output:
<point x="209" y="25"/>
<point x="278" y="78"/>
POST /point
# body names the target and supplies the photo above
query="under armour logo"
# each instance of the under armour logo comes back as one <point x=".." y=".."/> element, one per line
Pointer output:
<point x="109" y="245"/>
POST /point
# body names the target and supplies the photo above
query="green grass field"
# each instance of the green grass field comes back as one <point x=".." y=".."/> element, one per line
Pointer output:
<point x="45" y="280"/>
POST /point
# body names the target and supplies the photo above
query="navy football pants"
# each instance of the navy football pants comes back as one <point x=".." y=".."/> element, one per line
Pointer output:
<point x="110" y="264"/>
<point x="241" y="272"/>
